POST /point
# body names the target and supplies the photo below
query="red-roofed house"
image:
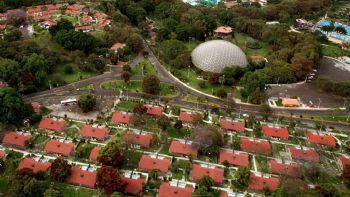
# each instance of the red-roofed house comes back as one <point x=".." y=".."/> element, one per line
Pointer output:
<point x="133" y="185"/>
<point x="223" y="31"/>
<point x="117" y="46"/>
<point x="187" y="117"/>
<point x="275" y="132"/>
<point x="234" y="158"/>
<point x="122" y="118"/>
<point x="304" y="154"/>
<point x="231" y="125"/>
<point x="285" y="168"/>
<point x="51" y="124"/>
<point x="229" y="194"/>
<point x="343" y="160"/>
<point x="36" y="107"/>
<point x="60" y="148"/>
<point x="321" y="139"/>
<point x="2" y="154"/>
<point x="259" y="182"/>
<point x="94" y="153"/>
<point x="2" y="27"/>
<point x="84" y="28"/>
<point x="15" y="139"/>
<point x="152" y="162"/>
<point x="88" y="131"/>
<point x="256" y="146"/>
<point x="36" y="166"/>
<point x="169" y="190"/>
<point x="200" y="170"/>
<point x="86" y="19"/>
<point x="104" y="22"/>
<point x="154" y="110"/>
<point x="183" y="148"/>
<point x="138" y="139"/>
<point x="82" y="177"/>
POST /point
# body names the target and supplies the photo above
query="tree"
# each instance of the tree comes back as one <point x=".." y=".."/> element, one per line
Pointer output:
<point x="87" y="102"/>
<point x="170" y="49"/>
<point x="139" y="108"/>
<point x="221" y="92"/>
<point x="62" y="24"/>
<point x="135" y="42"/>
<point x="127" y="68"/>
<point x="12" y="107"/>
<point x="178" y="124"/>
<point x="60" y="169"/>
<point x="209" y="139"/>
<point x="13" y="34"/>
<point x="110" y="155"/>
<point x="109" y="180"/>
<point x="205" y="185"/>
<point x="151" y="84"/>
<point x="2" y="166"/>
<point x="241" y="178"/>
<point x="163" y="122"/>
<point x="9" y="72"/>
<point x="266" y="111"/>
<point x="125" y="76"/>
<point x="97" y="63"/>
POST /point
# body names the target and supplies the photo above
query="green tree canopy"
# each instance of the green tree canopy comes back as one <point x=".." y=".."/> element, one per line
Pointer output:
<point x="151" y="84"/>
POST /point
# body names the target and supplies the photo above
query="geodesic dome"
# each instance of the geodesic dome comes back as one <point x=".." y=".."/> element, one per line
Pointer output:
<point x="215" y="55"/>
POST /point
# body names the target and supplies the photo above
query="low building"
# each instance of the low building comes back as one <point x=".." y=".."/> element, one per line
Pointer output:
<point x="231" y="125"/>
<point x="16" y="139"/>
<point x="122" y="118"/>
<point x="138" y="139"/>
<point x="275" y="132"/>
<point x="187" y="117"/>
<point x="321" y="139"/>
<point x="134" y="183"/>
<point x="256" y="146"/>
<point x="183" y="148"/>
<point x="94" y="153"/>
<point x="154" y="162"/>
<point x="223" y="32"/>
<point x="174" y="189"/>
<point x="36" y="165"/>
<point x="82" y="177"/>
<point x="89" y="131"/>
<point x="231" y="194"/>
<point x="288" y="102"/>
<point x="305" y="154"/>
<point x="116" y="46"/>
<point x="259" y="182"/>
<point x="52" y="124"/>
<point x="234" y="158"/>
<point x="285" y="168"/>
<point x="343" y="160"/>
<point x="2" y="154"/>
<point x="154" y="110"/>
<point x="84" y="28"/>
<point x="59" y="147"/>
<point x="200" y="170"/>
<point x="36" y="107"/>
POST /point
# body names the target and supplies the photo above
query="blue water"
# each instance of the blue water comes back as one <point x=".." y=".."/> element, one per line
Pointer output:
<point x="334" y="34"/>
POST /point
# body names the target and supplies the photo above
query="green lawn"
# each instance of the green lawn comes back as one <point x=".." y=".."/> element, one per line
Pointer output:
<point x="125" y="106"/>
<point x="193" y="99"/>
<point x="136" y="86"/>
<point x="240" y="40"/>
<point x="83" y="151"/>
<point x="333" y="50"/>
<point x="143" y="68"/>
<point x="88" y="87"/>
<point x="73" y="191"/>
<point x="174" y="133"/>
<point x="43" y="39"/>
<point x="69" y="78"/>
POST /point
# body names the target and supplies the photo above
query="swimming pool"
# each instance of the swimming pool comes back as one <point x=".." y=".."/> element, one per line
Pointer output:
<point x="335" y="34"/>
<point x="202" y="2"/>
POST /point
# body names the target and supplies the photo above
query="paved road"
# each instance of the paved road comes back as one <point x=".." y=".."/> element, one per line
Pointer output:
<point x="55" y="94"/>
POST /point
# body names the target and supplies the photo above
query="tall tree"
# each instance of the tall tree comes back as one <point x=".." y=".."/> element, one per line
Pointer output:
<point x="109" y="180"/>
<point x="110" y="155"/>
<point x="87" y="102"/>
<point x="60" y="169"/>
<point x="151" y="84"/>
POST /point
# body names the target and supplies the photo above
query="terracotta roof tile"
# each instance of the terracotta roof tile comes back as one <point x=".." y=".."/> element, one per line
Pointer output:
<point x="217" y="174"/>
<point x="82" y="177"/>
<point x="154" y="110"/>
<point x="275" y="132"/>
<point x="94" y="153"/>
<point x="88" y="131"/>
<point x="133" y="186"/>
<point x="147" y="162"/>
<point x="143" y="139"/>
<point x="321" y="139"/>
<point x="232" y="125"/>
<point x="14" y="139"/>
<point x="57" y="147"/>
<point x="234" y="158"/>
<point x="51" y="124"/>
<point x="187" y="117"/>
<point x="256" y="146"/>
<point x="166" y="190"/>
<point x="179" y="147"/>
<point x="344" y="160"/>
<point x="34" y="165"/>
<point x="259" y="183"/>
<point x="2" y="154"/>
<point x="122" y="117"/>
<point x="304" y="154"/>
<point x="288" y="169"/>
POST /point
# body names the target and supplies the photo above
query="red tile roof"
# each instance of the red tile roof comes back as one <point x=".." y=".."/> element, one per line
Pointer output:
<point x="217" y="174"/>
<point x="94" y="153"/>
<point x="343" y="161"/>
<point x="57" y="147"/>
<point x="2" y="154"/>
<point x="154" y="110"/>
<point x="234" y="158"/>
<point x="179" y="147"/>
<point x="104" y="22"/>
<point x="288" y="169"/>
<point x="86" y="19"/>
<point x="321" y="139"/>
<point x="304" y="154"/>
<point x="260" y="182"/>
<point x="148" y="163"/>
<point x="122" y="117"/>
<point x="133" y="186"/>
<point x="117" y="46"/>
<point x="186" y="116"/>
<point x="36" y="106"/>
<point x="84" y="28"/>
<point x="166" y="190"/>
<point x="143" y="139"/>
<point x="14" y="139"/>
<point x="231" y="194"/>
<point x="82" y="177"/>
<point x="34" y="165"/>
<point x="88" y="131"/>
<point x="256" y="146"/>
<point x="232" y="125"/>
<point x="276" y="132"/>
<point x="51" y="124"/>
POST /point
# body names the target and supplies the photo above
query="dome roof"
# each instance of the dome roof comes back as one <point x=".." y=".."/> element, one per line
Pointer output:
<point x="215" y="55"/>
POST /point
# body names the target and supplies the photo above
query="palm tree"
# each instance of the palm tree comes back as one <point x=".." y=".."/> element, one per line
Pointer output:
<point x="340" y="29"/>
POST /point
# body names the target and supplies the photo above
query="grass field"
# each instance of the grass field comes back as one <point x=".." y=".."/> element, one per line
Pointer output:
<point x="136" y="86"/>
<point x="125" y="106"/>
<point x="75" y="76"/>
<point x="43" y="39"/>
<point x="241" y="39"/>
<point x="143" y="68"/>
<point x="333" y="50"/>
